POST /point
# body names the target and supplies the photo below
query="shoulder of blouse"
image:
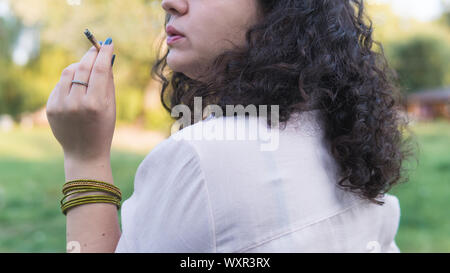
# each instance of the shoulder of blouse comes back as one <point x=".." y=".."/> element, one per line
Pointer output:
<point x="155" y="218"/>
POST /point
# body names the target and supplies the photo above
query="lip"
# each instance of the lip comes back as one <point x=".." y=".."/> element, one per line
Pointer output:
<point x="172" y="31"/>
<point x="173" y="35"/>
<point x="173" y="39"/>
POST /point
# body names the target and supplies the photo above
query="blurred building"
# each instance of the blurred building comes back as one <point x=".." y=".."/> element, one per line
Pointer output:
<point x="429" y="104"/>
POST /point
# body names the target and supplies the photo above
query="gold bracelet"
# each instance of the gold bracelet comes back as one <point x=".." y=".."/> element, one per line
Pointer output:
<point x="89" y="185"/>
<point x="90" y="189"/>
<point x="89" y="182"/>
<point x="101" y="188"/>
<point x="89" y="199"/>
<point x="71" y="183"/>
<point x="98" y="188"/>
<point x="92" y="196"/>
<point x="66" y="208"/>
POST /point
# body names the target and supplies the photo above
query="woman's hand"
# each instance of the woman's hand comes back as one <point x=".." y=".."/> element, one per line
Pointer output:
<point x="83" y="118"/>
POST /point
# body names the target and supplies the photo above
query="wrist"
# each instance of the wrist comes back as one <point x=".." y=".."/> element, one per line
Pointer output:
<point x="97" y="169"/>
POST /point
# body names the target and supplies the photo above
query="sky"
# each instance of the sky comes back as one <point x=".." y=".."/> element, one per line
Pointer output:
<point x="423" y="10"/>
<point x="4" y="8"/>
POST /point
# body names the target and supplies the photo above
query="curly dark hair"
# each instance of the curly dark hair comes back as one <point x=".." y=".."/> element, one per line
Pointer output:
<point x="307" y="55"/>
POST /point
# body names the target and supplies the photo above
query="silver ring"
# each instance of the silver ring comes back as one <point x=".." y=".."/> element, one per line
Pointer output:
<point x="79" y="82"/>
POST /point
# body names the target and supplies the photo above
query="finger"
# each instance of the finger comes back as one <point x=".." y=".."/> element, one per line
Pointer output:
<point x="101" y="72"/>
<point x="65" y="81"/>
<point x="83" y="72"/>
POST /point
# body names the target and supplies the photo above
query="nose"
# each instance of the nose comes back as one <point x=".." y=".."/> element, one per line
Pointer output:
<point x="175" y="7"/>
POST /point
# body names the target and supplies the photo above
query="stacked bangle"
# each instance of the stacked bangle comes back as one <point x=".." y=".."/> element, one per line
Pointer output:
<point x="113" y="196"/>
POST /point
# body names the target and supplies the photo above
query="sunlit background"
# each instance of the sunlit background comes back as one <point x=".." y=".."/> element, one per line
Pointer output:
<point x="38" y="39"/>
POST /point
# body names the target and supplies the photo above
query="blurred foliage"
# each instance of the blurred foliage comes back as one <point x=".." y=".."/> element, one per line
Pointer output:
<point x="421" y="62"/>
<point x="135" y="27"/>
<point x="130" y="106"/>
<point x="12" y="95"/>
<point x="9" y="29"/>
<point x="157" y="119"/>
<point x="11" y="99"/>
<point x="445" y="19"/>
<point x="418" y="51"/>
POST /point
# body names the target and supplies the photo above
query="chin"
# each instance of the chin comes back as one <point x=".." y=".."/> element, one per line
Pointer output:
<point x="176" y="61"/>
<point x="180" y="63"/>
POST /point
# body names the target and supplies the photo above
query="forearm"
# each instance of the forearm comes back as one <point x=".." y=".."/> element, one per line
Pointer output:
<point x="95" y="227"/>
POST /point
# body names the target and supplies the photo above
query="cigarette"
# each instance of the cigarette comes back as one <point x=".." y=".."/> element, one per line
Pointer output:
<point x="92" y="39"/>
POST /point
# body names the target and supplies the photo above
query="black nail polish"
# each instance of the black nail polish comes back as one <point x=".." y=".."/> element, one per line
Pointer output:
<point x="113" y="59"/>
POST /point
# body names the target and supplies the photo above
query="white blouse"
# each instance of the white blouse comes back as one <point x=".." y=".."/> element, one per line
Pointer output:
<point x="201" y="190"/>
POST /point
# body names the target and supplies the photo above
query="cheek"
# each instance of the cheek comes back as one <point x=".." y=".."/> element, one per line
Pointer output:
<point x="220" y="33"/>
<point x="213" y="39"/>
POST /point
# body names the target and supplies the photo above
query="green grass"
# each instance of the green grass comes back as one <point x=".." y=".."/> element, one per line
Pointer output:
<point x="425" y="198"/>
<point x="32" y="173"/>
<point x="31" y="177"/>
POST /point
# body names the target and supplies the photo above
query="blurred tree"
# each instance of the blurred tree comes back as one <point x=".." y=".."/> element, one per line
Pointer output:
<point x="387" y="26"/>
<point x="445" y="18"/>
<point x="41" y="74"/>
<point x="135" y="27"/>
<point x="11" y="97"/>
<point x="419" y="51"/>
<point x="421" y="62"/>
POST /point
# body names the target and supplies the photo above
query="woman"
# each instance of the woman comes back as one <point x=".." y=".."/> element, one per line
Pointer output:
<point x="321" y="186"/>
